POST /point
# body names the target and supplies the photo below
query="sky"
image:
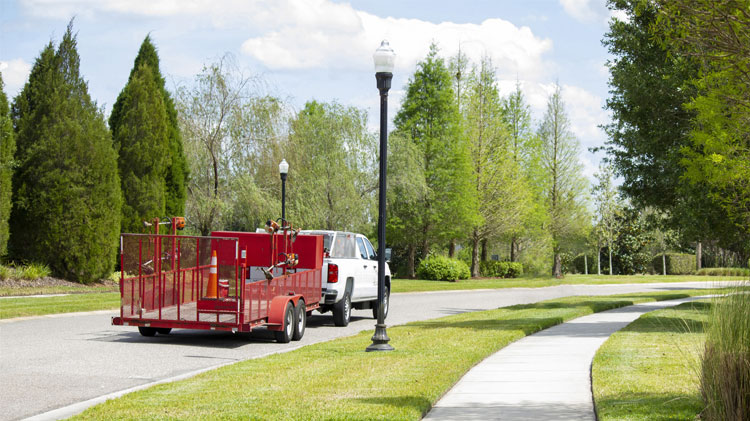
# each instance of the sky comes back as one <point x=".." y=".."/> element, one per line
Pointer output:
<point x="322" y="49"/>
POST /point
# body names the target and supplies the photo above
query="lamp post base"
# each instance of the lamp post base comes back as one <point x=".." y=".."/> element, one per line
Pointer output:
<point x="380" y="340"/>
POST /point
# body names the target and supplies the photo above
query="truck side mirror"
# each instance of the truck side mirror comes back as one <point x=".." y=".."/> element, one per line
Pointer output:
<point x="388" y="252"/>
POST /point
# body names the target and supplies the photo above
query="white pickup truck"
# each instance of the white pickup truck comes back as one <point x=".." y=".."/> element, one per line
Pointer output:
<point x="350" y="275"/>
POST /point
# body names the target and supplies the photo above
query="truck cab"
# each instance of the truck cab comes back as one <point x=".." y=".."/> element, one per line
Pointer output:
<point x="350" y="275"/>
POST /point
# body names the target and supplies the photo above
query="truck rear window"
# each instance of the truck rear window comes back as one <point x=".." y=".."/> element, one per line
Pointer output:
<point x="344" y="246"/>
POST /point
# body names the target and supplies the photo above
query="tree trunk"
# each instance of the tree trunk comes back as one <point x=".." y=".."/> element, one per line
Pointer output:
<point x="609" y="249"/>
<point x="698" y="255"/>
<point x="484" y="250"/>
<point x="513" y="249"/>
<point x="557" y="266"/>
<point x="585" y="264"/>
<point x="410" y="262"/>
<point x="425" y="242"/>
<point x="475" y="255"/>
<point x="598" y="258"/>
<point x="452" y="249"/>
<point x="664" y="263"/>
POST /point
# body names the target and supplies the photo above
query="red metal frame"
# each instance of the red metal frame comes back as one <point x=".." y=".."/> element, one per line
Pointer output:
<point x="155" y="294"/>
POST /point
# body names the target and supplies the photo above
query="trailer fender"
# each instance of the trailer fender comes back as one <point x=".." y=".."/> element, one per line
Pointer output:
<point x="276" y="312"/>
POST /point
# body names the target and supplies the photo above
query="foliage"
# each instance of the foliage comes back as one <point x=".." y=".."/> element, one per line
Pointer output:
<point x="429" y="117"/>
<point x="608" y="209"/>
<point x="66" y="191"/>
<point x="7" y="150"/>
<point x="332" y="161"/>
<point x="579" y="264"/>
<point x="565" y="185"/>
<point x="441" y="268"/>
<point x="141" y="139"/>
<point x="493" y="269"/>
<point x="677" y="263"/>
<point x="725" y="366"/>
<point x="632" y="244"/>
<point x="176" y="172"/>
<point x="724" y="272"/>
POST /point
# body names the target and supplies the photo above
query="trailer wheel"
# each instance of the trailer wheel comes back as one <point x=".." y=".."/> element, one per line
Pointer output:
<point x="147" y="331"/>
<point x="386" y="304"/>
<point x="163" y="330"/>
<point x="301" y="320"/>
<point x="342" y="311"/>
<point x="285" y="334"/>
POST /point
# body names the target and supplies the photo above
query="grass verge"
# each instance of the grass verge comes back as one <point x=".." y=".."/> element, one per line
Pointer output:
<point x="338" y="380"/>
<point x="649" y="370"/>
<point x="35" y="306"/>
<point x="419" y="285"/>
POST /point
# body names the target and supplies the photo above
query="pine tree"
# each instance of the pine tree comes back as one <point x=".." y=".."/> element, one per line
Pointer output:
<point x="141" y="139"/>
<point x="66" y="209"/>
<point x="7" y="149"/>
<point x="176" y="173"/>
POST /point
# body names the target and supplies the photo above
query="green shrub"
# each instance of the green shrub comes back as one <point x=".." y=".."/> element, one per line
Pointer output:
<point x="494" y="269"/>
<point x="677" y="263"/>
<point x="442" y="268"/>
<point x="32" y="271"/>
<point x="724" y="272"/>
<point x="6" y="272"/>
<point x="725" y="366"/>
<point x="579" y="262"/>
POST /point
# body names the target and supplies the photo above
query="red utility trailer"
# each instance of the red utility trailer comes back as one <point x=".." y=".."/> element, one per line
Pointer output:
<point x="232" y="281"/>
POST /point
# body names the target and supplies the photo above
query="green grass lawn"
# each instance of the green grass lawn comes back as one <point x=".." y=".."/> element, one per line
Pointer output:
<point x="649" y="370"/>
<point x="417" y="285"/>
<point x="35" y="306"/>
<point x="338" y="380"/>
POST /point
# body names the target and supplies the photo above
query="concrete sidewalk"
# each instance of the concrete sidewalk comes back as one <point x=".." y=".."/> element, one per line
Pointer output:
<point x="545" y="376"/>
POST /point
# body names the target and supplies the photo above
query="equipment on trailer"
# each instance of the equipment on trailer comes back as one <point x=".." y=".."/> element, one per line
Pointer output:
<point x="232" y="281"/>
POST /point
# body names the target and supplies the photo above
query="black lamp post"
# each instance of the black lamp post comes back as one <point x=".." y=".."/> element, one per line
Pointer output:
<point x="283" y="170"/>
<point x="384" y="59"/>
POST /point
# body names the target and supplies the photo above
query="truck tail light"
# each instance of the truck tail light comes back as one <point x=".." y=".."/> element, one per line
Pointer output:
<point x="333" y="273"/>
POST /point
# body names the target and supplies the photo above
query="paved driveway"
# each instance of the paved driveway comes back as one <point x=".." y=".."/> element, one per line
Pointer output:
<point x="52" y="362"/>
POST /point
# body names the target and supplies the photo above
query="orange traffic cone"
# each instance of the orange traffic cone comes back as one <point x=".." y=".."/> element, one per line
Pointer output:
<point x="213" y="278"/>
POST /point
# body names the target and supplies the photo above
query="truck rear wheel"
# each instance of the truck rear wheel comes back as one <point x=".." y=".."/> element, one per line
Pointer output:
<point x="147" y="331"/>
<point x="386" y="304"/>
<point x="300" y="313"/>
<point x="285" y="334"/>
<point x="342" y="311"/>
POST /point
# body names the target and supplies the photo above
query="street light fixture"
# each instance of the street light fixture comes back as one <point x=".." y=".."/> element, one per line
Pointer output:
<point x="384" y="59"/>
<point x="283" y="170"/>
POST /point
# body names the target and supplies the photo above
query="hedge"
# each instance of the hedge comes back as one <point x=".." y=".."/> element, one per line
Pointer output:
<point x="677" y="263"/>
<point x="494" y="269"/>
<point x="724" y="272"/>
<point x="442" y="268"/>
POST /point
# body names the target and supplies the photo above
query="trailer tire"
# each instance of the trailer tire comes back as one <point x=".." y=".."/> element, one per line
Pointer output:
<point x="163" y="330"/>
<point x="342" y="311"/>
<point x="300" y="313"/>
<point x="147" y="331"/>
<point x="386" y="302"/>
<point x="284" y="335"/>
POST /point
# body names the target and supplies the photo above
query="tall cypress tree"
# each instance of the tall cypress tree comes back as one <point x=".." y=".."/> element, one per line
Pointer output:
<point x="66" y="209"/>
<point x="141" y="139"/>
<point x="7" y="149"/>
<point x="176" y="172"/>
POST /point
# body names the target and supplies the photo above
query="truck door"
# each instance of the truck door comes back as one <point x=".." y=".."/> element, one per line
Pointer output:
<point x="369" y="271"/>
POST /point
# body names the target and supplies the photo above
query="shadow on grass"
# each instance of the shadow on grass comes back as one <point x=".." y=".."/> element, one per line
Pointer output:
<point x="527" y="325"/>
<point x="418" y="403"/>
<point x="643" y="406"/>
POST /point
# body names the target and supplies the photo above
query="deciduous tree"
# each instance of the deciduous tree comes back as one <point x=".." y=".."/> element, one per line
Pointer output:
<point x="7" y="150"/>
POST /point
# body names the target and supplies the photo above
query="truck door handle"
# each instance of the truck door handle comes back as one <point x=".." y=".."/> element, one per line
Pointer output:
<point x="365" y="266"/>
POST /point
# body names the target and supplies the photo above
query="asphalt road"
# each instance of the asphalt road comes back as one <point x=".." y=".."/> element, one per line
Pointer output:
<point x="53" y="362"/>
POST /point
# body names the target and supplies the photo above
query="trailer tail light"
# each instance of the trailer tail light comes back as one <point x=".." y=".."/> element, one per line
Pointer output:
<point x="333" y="273"/>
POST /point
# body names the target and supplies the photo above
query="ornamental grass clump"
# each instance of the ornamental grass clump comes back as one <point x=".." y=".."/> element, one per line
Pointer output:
<point x="725" y="367"/>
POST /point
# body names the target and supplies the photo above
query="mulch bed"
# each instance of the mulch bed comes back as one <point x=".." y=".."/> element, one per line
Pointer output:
<point x="49" y="281"/>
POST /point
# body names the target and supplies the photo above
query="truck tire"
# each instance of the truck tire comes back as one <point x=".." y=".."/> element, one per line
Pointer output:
<point x="284" y="335"/>
<point x="163" y="330"/>
<point x="386" y="301"/>
<point x="342" y="311"/>
<point x="147" y="331"/>
<point x="300" y="318"/>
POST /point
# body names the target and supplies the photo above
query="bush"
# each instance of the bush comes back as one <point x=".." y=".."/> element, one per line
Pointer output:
<point x="677" y="263"/>
<point x="32" y="271"/>
<point x="442" y="268"/>
<point x="725" y="366"/>
<point x="724" y="272"/>
<point x="6" y="272"/>
<point x="579" y="262"/>
<point x="493" y="269"/>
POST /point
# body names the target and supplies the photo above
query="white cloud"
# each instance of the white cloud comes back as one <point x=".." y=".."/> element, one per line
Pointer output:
<point x="15" y="72"/>
<point x="589" y="11"/>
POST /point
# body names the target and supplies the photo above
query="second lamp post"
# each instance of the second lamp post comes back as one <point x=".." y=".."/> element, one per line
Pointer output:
<point x="283" y="170"/>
